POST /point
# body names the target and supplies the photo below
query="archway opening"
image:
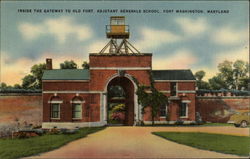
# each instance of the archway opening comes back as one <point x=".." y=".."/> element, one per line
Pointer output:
<point x="120" y="105"/>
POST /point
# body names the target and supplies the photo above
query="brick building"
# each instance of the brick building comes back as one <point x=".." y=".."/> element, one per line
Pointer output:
<point x="91" y="97"/>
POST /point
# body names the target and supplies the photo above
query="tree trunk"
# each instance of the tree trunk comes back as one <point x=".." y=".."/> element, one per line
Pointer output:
<point x="153" y="121"/>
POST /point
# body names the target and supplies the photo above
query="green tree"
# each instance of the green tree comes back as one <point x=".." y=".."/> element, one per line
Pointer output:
<point x="37" y="71"/>
<point x="240" y="71"/>
<point x="17" y="86"/>
<point x="149" y="96"/>
<point x="68" y="65"/>
<point x="85" y="65"/>
<point x="199" y="75"/>
<point x="29" y="82"/>
<point x="3" y="85"/>
<point x="217" y="82"/>
<point x="226" y="73"/>
<point x="232" y="75"/>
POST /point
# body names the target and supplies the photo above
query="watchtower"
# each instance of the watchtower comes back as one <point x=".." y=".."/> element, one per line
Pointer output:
<point x="118" y="33"/>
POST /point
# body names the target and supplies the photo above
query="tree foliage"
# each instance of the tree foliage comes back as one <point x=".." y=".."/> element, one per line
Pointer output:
<point x="68" y="65"/>
<point x="85" y="65"/>
<point x="149" y="96"/>
<point x="34" y="80"/>
<point x="199" y="75"/>
<point x="232" y="75"/>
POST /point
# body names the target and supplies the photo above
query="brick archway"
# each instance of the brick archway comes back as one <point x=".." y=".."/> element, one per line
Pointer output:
<point x="129" y="90"/>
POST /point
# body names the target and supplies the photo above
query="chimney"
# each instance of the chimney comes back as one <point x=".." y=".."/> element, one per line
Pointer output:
<point x="48" y="64"/>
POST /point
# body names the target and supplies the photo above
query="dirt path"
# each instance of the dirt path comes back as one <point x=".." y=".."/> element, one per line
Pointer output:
<point x="138" y="142"/>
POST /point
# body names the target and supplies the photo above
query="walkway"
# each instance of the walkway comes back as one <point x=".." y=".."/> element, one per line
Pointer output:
<point x="138" y="142"/>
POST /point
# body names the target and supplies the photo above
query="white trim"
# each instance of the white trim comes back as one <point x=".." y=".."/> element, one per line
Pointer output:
<point x="65" y="80"/>
<point x="186" y="101"/>
<point x="165" y="91"/>
<point x="77" y="101"/>
<point x="120" y="68"/>
<point x="71" y="125"/>
<point x="174" y="80"/>
<point x="55" y="101"/>
<point x="186" y="91"/>
<point x="82" y="92"/>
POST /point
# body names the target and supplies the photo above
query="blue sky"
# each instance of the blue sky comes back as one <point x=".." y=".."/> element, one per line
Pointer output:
<point x="177" y="40"/>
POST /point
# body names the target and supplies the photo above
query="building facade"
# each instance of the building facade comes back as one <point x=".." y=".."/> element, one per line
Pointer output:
<point x="83" y="97"/>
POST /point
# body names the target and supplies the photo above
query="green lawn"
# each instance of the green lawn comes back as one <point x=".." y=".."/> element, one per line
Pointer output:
<point x="16" y="148"/>
<point x="238" y="145"/>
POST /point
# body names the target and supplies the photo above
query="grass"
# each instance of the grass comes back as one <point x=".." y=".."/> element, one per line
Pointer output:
<point x="237" y="145"/>
<point x="16" y="148"/>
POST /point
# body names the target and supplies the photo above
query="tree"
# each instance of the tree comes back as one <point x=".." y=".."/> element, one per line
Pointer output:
<point x="68" y="65"/>
<point x="217" y="82"/>
<point x="37" y="71"/>
<point x="199" y="75"/>
<point x="85" y="65"/>
<point x="232" y="75"/>
<point x="240" y="71"/>
<point x="34" y="80"/>
<point x="154" y="99"/>
<point x="17" y="86"/>
<point x="29" y="82"/>
<point x="3" y="85"/>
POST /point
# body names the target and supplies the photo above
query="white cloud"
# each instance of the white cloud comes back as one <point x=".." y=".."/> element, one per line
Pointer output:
<point x="96" y="46"/>
<point x="192" y="26"/>
<point x="228" y="36"/>
<point x="152" y="38"/>
<point x="180" y="59"/>
<point x="31" y="31"/>
<point x="60" y="28"/>
<point x="233" y="55"/>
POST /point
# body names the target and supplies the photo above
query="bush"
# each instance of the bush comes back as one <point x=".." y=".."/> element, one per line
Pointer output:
<point x="179" y="122"/>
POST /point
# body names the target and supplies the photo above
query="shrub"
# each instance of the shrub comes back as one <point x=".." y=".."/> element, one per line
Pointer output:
<point x="179" y="122"/>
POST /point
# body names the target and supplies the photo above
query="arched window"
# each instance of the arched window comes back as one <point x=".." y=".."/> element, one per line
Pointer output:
<point x="55" y="107"/>
<point x="77" y="108"/>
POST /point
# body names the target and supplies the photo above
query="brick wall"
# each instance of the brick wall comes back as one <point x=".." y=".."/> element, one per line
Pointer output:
<point x="219" y="109"/>
<point x="106" y="60"/>
<point x="22" y="107"/>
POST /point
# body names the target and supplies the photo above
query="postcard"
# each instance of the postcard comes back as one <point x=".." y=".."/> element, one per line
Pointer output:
<point x="124" y="79"/>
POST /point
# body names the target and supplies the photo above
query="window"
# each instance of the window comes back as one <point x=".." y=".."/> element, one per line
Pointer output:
<point x="163" y="111"/>
<point x="77" y="107"/>
<point x="77" y="110"/>
<point x="55" y="110"/>
<point x="173" y="89"/>
<point x="184" y="110"/>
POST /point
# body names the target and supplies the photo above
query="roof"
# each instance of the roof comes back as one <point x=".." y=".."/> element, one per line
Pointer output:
<point x="66" y="74"/>
<point x="173" y="75"/>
